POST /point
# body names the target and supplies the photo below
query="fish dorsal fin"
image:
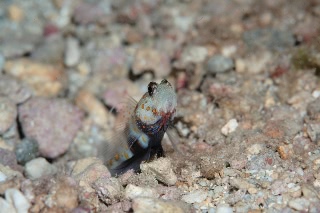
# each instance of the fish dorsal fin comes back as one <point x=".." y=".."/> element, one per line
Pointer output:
<point x="120" y="142"/>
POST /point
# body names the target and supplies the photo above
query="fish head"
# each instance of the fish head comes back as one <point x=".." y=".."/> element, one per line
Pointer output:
<point x="158" y="105"/>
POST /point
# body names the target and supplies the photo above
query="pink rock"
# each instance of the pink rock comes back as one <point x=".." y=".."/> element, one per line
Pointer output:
<point x="53" y="123"/>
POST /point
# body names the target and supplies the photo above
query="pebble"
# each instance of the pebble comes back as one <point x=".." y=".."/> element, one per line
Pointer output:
<point x="38" y="168"/>
<point x="87" y="171"/>
<point x="51" y="51"/>
<point x="72" y="52"/>
<point x="2" y="60"/>
<point x="5" y="206"/>
<point x="90" y="104"/>
<point x="278" y="187"/>
<point x="309" y="192"/>
<point x="240" y="183"/>
<point x="313" y="108"/>
<point x="230" y="127"/>
<point x="151" y="205"/>
<point x="255" y="149"/>
<point x="18" y="200"/>
<point x="254" y="63"/>
<point x="193" y="54"/>
<point x="3" y="177"/>
<point x="26" y="150"/>
<point x="8" y="158"/>
<point x="8" y="172"/>
<point x="64" y="193"/>
<point x="273" y="39"/>
<point x="196" y="196"/>
<point x="14" y="89"/>
<point x="108" y="189"/>
<point x="8" y="112"/>
<point x="53" y="123"/>
<point x="224" y="208"/>
<point x="219" y="64"/>
<point x="161" y="169"/>
<point x="299" y="204"/>
<point x="132" y="192"/>
<point x="151" y="60"/>
<point x="44" y="79"/>
<point x="87" y="13"/>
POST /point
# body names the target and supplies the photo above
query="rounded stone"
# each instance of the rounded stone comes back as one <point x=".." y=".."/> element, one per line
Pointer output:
<point x="219" y="64"/>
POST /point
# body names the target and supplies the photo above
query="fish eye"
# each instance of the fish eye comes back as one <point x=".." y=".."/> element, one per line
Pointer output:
<point x="164" y="81"/>
<point x="152" y="87"/>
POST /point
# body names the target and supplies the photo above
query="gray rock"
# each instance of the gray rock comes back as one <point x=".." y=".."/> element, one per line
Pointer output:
<point x="219" y="64"/>
<point x="240" y="183"/>
<point x="196" y="196"/>
<point x="8" y="112"/>
<point x="161" y="169"/>
<point x="313" y="108"/>
<point x="26" y="150"/>
<point x="50" y="50"/>
<point x="273" y="39"/>
<point x="108" y="189"/>
<point x="299" y="204"/>
<point x="2" y="60"/>
<point x="53" y="123"/>
<point x="224" y="208"/>
<point x="72" y="53"/>
<point x="151" y="205"/>
<point x="133" y="191"/>
<point x="39" y="167"/>
<point x="309" y="192"/>
<point x="8" y="158"/>
<point x="14" y="89"/>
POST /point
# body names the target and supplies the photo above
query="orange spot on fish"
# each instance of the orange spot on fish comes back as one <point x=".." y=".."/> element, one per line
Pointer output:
<point x="126" y="155"/>
<point x="154" y="111"/>
<point x="142" y="106"/>
<point x="148" y="108"/>
<point x="117" y="157"/>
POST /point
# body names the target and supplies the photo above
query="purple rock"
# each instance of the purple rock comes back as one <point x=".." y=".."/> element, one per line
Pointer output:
<point x="8" y="158"/>
<point x="51" y="122"/>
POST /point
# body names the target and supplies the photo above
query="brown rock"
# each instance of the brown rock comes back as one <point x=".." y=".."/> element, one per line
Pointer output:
<point x="15" y="13"/>
<point x="285" y="151"/>
<point x="44" y="79"/>
<point x="65" y="193"/>
<point x="151" y="60"/>
<point x="96" y="110"/>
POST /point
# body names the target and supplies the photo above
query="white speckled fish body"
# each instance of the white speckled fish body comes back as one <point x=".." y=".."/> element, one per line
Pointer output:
<point x="147" y="122"/>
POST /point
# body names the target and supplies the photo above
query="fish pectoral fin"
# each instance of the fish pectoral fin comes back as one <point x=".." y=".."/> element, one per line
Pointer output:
<point x="174" y="139"/>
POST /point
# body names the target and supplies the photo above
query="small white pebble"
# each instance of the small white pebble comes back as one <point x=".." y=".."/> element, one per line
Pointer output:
<point x="133" y="191"/>
<point x="3" y="177"/>
<point x="39" y="167"/>
<point x="224" y="208"/>
<point x="316" y="94"/>
<point x="18" y="200"/>
<point x="230" y="127"/>
<point x="5" y="206"/>
<point x="196" y="196"/>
